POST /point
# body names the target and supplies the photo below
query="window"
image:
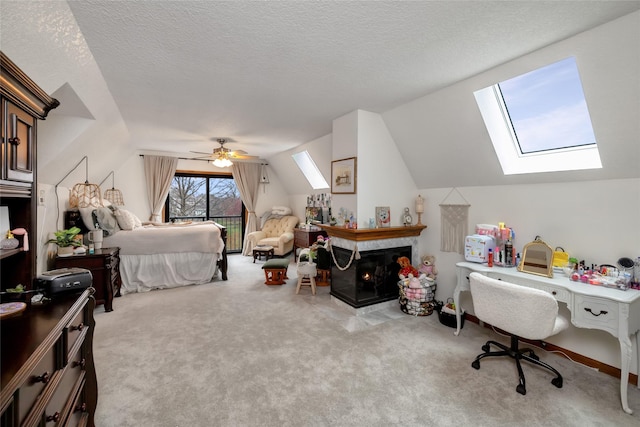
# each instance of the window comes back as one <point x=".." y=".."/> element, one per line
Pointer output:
<point x="202" y="197"/>
<point x="310" y="170"/>
<point x="539" y="121"/>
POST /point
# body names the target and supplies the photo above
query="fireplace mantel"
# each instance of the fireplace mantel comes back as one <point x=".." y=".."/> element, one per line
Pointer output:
<point x="364" y="234"/>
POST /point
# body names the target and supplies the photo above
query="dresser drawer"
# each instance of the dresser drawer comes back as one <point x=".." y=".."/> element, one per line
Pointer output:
<point x="60" y="404"/>
<point x="78" y="415"/>
<point x="36" y="383"/>
<point x="75" y="328"/>
<point x="595" y="313"/>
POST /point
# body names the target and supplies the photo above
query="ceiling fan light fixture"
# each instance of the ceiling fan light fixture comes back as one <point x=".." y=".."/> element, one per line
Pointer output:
<point x="222" y="162"/>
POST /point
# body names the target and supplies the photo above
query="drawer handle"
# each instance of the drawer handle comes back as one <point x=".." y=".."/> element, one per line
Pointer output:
<point x="78" y="328"/>
<point x="14" y="141"/>
<point x="44" y="378"/>
<point x="55" y="417"/>
<point x="80" y="408"/>
<point x="601" y="312"/>
<point x="82" y="363"/>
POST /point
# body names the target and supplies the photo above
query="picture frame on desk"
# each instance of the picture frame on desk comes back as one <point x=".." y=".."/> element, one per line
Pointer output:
<point x="343" y="176"/>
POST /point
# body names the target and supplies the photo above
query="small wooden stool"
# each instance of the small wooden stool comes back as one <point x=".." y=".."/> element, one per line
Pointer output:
<point x="307" y="276"/>
<point x="275" y="271"/>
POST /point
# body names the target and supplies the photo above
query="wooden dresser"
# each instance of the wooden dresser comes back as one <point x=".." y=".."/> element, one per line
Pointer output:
<point x="48" y="375"/>
<point x="304" y="238"/>
<point x="104" y="265"/>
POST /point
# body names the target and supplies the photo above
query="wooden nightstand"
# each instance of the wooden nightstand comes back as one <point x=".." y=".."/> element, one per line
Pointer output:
<point x="104" y="265"/>
<point x="304" y="238"/>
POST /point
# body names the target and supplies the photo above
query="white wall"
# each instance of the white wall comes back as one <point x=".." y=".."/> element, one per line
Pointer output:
<point x="595" y="220"/>
<point x="382" y="175"/>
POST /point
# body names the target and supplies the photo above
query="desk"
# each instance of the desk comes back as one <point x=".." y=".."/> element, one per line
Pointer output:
<point x="592" y="307"/>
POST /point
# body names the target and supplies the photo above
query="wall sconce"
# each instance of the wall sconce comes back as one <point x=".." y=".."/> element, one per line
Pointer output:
<point x="113" y="194"/>
<point x="83" y="195"/>
<point x="419" y="208"/>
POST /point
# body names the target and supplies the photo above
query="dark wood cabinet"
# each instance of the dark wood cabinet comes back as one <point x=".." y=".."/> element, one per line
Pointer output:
<point x="104" y="265"/>
<point x="304" y="238"/>
<point x="22" y="103"/>
<point x="48" y="373"/>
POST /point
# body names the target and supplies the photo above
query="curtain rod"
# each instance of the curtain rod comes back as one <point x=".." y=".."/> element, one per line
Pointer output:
<point x="205" y="160"/>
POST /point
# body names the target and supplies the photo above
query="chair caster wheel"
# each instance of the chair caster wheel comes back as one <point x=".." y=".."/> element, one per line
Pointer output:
<point x="486" y="348"/>
<point x="521" y="389"/>
<point x="557" y="382"/>
<point x="475" y="364"/>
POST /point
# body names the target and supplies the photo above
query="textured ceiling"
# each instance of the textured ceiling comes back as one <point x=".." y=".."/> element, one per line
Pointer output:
<point x="273" y="75"/>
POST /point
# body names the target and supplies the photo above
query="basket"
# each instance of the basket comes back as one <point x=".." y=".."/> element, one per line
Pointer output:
<point x="448" y="319"/>
<point x="417" y="301"/>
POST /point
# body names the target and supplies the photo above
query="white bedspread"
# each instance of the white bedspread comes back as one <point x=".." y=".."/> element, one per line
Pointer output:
<point x="143" y="273"/>
<point x="162" y="256"/>
<point x="203" y="237"/>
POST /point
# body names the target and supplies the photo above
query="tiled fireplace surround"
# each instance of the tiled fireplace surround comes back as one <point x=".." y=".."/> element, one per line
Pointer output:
<point x="369" y="284"/>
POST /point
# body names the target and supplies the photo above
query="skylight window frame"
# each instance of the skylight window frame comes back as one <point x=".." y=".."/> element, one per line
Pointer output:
<point x="310" y="170"/>
<point x="513" y="161"/>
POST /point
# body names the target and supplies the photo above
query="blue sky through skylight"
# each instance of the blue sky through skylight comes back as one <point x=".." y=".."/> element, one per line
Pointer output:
<point x="548" y="109"/>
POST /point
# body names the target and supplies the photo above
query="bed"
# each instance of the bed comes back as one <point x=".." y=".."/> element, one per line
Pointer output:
<point x="161" y="256"/>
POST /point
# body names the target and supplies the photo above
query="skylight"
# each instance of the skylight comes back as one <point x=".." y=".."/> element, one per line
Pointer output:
<point x="310" y="170"/>
<point x="539" y="121"/>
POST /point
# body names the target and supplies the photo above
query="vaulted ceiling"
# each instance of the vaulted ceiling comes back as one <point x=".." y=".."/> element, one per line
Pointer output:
<point x="273" y="75"/>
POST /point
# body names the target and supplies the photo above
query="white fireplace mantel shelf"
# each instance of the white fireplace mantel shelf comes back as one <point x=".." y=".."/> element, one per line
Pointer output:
<point x="364" y="234"/>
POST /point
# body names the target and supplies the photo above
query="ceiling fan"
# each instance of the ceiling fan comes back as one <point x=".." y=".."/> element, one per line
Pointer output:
<point x="222" y="156"/>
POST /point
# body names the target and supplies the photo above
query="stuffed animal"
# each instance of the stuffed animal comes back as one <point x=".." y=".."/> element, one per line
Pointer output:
<point x="406" y="269"/>
<point x="428" y="266"/>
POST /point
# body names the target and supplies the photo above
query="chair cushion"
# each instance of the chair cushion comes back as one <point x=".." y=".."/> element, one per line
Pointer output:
<point x="526" y="312"/>
<point x="276" y="263"/>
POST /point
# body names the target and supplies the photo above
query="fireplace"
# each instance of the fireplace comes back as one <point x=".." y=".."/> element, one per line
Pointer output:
<point x="372" y="279"/>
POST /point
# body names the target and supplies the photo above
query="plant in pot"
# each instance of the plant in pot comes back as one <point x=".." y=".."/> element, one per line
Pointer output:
<point x="66" y="241"/>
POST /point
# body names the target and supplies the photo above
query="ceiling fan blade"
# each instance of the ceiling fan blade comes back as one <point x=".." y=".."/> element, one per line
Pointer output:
<point x="200" y="152"/>
<point x="243" y="157"/>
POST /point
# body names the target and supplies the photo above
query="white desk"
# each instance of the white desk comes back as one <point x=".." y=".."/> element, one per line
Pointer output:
<point x="592" y="307"/>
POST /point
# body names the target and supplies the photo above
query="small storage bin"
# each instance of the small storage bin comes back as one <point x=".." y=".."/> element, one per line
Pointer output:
<point x="417" y="301"/>
<point x="448" y="319"/>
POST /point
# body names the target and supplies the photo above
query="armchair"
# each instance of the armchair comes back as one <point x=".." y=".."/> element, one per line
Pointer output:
<point x="276" y="232"/>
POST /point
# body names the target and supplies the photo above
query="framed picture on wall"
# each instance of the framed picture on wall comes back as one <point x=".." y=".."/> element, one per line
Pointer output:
<point x="343" y="176"/>
<point x="383" y="217"/>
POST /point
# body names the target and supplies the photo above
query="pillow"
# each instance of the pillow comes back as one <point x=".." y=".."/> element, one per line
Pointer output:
<point x="87" y="217"/>
<point x="106" y="220"/>
<point x="127" y="220"/>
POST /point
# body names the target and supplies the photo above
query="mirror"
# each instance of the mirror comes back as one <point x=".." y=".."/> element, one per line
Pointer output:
<point x="537" y="258"/>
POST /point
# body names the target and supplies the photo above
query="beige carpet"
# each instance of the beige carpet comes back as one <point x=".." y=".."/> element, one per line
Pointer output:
<point x="240" y="353"/>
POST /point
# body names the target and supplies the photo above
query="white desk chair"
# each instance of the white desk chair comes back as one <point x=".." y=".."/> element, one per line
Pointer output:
<point x="520" y="311"/>
<point x="306" y="272"/>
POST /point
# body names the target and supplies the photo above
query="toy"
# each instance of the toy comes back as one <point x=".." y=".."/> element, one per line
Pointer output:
<point x="428" y="266"/>
<point x="406" y="269"/>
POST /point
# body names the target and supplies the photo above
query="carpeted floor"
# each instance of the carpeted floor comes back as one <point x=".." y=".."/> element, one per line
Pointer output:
<point x="240" y="353"/>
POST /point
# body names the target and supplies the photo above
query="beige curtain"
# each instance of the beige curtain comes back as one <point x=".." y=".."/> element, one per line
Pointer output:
<point x="247" y="178"/>
<point x="159" y="172"/>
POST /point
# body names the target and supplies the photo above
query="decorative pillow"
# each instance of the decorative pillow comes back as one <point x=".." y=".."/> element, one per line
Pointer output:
<point x="127" y="220"/>
<point x="106" y="220"/>
<point x="87" y="218"/>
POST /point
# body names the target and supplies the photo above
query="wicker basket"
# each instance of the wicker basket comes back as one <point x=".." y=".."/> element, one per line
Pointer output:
<point x="417" y="301"/>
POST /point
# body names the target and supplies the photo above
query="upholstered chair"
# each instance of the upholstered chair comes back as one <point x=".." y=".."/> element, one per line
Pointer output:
<point x="276" y="232"/>
<point x="521" y="312"/>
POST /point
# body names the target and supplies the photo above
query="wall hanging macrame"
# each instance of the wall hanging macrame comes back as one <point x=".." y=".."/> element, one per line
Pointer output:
<point x="454" y="224"/>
